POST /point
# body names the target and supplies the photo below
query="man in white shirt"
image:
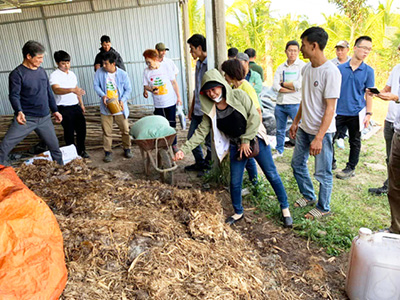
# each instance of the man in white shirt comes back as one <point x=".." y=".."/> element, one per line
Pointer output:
<point x="390" y="92"/>
<point x="68" y="97"/>
<point x="394" y="158"/>
<point x="162" y="50"/>
<point x="287" y="82"/>
<point x="320" y="91"/>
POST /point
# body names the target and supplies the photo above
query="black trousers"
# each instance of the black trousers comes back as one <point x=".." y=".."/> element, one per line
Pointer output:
<point x="352" y="124"/>
<point x="170" y="114"/>
<point x="73" y="122"/>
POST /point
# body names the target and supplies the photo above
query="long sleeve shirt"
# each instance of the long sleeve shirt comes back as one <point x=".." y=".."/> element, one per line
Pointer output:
<point x="30" y="92"/>
<point x="286" y="73"/>
<point x="123" y="86"/>
<point x="119" y="62"/>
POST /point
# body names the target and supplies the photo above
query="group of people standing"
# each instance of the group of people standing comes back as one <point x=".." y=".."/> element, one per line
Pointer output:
<point x="324" y="98"/>
<point x="33" y="95"/>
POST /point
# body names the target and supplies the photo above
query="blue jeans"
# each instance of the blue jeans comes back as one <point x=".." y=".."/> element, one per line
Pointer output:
<point x="265" y="161"/>
<point x="251" y="168"/>
<point x="198" y="151"/>
<point x="282" y="112"/>
<point x="323" y="168"/>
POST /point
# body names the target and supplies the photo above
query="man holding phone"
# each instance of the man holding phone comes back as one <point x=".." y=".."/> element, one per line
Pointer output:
<point x="354" y="107"/>
<point x="389" y="93"/>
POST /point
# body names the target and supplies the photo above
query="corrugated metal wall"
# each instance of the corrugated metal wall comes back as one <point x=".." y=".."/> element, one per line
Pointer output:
<point x="77" y="27"/>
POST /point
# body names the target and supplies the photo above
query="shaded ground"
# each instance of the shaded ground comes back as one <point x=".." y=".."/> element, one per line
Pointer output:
<point x="302" y="268"/>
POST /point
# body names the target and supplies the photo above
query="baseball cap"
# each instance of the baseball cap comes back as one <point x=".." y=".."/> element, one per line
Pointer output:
<point x="242" y="56"/>
<point x="344" y="44"/>
<point x="209" y="85"/>
<point x="161" y="47"/>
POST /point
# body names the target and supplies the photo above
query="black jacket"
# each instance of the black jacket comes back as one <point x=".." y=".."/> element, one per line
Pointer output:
<point x="99" y="58"/>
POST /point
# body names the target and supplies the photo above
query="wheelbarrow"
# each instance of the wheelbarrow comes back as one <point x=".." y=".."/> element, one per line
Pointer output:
<point x="162" y="160"/>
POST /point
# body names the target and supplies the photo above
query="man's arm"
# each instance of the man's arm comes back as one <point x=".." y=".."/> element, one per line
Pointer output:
<point x="15" y="84"/>
<point x="368" y="99"/>
<point x="295" y="124"/>
<point x="127" y="89"/>
<point x="63" y="91"/>
<point x="120" y="62"/>
<point x="97" y="61"/>
<point x="81" y="104"/>
<point x="289" y="86"/>
<point x="96" y="85"/>
<point x="14" y="87"/>
<point x="316" y="144"/>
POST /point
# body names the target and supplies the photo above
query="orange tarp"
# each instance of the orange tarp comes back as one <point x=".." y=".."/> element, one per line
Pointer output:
<point x="32" y="263"/>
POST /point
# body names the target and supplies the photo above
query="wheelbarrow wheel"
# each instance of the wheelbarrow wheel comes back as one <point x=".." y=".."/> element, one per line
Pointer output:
<point x="164" y="162"/>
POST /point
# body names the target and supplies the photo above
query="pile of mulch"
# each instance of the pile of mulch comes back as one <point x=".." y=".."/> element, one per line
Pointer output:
<point x="136" y="239"/>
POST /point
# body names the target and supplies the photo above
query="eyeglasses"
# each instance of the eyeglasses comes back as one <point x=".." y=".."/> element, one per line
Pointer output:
<point x="365" y="48"/>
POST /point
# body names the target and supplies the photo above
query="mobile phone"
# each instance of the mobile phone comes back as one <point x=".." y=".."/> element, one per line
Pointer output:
<point x="374" y="90"/>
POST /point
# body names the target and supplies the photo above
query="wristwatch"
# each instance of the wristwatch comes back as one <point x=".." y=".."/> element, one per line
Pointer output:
<point x="368" y="113"/>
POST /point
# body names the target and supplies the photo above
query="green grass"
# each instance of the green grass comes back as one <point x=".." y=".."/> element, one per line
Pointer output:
<point x="351" y="205"/>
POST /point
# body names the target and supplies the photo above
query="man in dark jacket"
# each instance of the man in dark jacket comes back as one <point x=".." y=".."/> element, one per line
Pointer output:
<point x="106" y="47"/>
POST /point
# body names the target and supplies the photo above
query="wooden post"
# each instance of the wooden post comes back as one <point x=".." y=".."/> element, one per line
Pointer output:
<point x="188" y="57"/>
<point x="220" y="54"/>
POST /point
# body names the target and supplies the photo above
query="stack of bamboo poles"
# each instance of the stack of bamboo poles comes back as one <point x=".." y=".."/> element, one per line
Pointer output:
<point x="93" y="127"/>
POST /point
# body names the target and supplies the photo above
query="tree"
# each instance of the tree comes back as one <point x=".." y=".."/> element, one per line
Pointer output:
<point x="196" y="17"/>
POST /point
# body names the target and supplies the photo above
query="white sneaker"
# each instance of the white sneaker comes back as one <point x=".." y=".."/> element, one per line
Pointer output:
<point x="340" y="143"/>
<point x="245" y="192"/>
<point x="276" y="155"/>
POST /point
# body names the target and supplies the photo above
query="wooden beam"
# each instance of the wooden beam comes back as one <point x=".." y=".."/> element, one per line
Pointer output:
<point x="219" y="32"/>
<point x="188" y="57"/>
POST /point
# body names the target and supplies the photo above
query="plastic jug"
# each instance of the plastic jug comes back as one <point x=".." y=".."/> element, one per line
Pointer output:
<point x="113" y="106"/>
<point x="181" y="115"/>
<point x="374" y="266"/>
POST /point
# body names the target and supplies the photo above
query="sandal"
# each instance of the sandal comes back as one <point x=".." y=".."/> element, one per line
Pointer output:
<point x="316" y="214"/>
<point x="304" y="202"/>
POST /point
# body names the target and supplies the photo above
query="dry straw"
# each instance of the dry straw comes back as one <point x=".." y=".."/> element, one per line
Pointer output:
<point x="134" y="239"/>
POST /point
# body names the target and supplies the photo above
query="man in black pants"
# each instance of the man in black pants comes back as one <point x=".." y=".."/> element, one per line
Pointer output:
<point x="354" y="107"/>
<point x="69" y="102"/>
<point x="198" y="50"/>
<point x="32" y="99"/>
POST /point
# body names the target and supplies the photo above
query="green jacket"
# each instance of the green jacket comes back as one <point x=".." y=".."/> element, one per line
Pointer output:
<point x="258" y="69"/>
<point x="240" y="101"/>
<point x="255" y="81"/>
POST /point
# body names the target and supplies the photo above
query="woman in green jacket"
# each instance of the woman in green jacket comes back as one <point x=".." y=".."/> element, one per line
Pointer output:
<point x="234" y="122"/>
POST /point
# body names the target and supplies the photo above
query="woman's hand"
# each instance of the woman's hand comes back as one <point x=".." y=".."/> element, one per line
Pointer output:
<point x="178" y="155"/>
<point x="244" y="149"/>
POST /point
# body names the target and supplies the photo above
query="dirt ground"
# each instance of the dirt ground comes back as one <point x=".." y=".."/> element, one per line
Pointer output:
<point x="302" y="267"/>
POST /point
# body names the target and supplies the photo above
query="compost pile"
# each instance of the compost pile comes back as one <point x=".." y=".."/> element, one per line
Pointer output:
<point x="135" y="239"/>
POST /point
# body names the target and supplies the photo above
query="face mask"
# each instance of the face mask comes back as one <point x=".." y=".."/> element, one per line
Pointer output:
<point x="219" y="99"/>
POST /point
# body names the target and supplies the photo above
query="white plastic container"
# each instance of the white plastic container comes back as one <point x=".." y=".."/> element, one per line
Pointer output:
<point x="374" y="266"/>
